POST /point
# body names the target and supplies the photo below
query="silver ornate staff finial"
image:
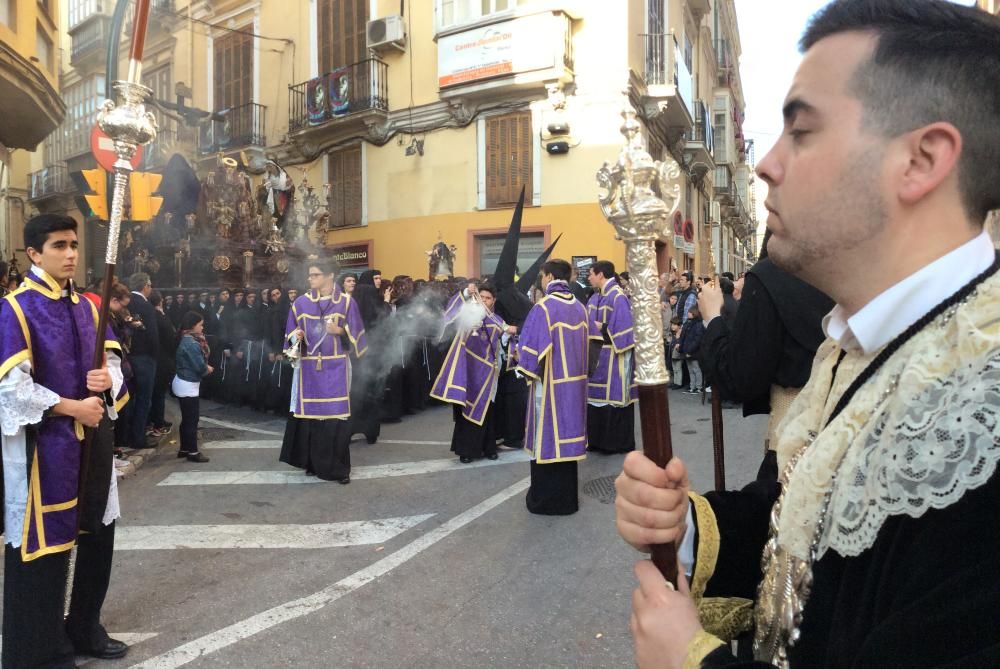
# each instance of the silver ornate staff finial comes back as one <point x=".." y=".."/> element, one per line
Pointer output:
<point x="129" y="126"/>
<point x="640" y="194"/>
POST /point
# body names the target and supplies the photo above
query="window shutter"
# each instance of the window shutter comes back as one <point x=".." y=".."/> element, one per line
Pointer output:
<point x="508" y="158"/>
<point x="346" y="195"/>
<point x="342" y="25"/>
<point x="233" y="67"/>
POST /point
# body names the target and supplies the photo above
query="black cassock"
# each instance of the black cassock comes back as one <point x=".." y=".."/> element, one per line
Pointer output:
<point x="924" y="594"/>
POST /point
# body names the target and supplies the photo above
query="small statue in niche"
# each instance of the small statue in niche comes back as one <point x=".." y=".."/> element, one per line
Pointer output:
<point x="441" y="260"/>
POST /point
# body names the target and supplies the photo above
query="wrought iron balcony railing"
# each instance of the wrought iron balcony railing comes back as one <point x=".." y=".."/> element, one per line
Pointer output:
<point x="49" y="181"/>
<point x="359" y="87"/>
<point x="243" y="126"/>
<point x="703" y="131"/>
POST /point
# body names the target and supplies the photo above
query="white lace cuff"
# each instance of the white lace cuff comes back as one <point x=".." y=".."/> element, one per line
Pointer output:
<point x="22" y="401"/>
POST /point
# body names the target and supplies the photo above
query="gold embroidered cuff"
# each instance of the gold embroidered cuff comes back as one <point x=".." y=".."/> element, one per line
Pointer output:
<point x="709" y="541"/>
<point x="698" y="649"/>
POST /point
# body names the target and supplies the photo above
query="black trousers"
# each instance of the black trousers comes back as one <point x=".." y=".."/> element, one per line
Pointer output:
<point x="190" y="415"/>
<point x="35" y="636"/>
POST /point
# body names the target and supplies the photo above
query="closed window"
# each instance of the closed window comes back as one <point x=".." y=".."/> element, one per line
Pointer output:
<point x="456" y="12"/>
<point x="8" y="13"/>
<point x="345" y="197"/>
<point x="508" y="159"/>
<point x="233" y="69"/>
<point x="342" y="25"/>
<point x="43" y="49"/>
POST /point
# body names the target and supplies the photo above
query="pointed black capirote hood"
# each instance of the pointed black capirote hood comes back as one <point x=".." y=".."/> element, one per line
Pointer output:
<point x="527" y="279"/>
<point x="504" y="274"/>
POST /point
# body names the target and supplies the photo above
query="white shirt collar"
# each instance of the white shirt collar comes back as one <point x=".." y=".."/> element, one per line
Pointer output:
<point x="894" y="310"/>
<point x="136" y="292"/>
<point x="41" y="274"/>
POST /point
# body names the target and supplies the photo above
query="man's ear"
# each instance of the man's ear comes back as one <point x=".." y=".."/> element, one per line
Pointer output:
<point x="932" y="153"/>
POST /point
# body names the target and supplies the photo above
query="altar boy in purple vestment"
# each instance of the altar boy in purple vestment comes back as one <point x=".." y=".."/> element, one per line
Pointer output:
<point x="611" y="392"/>
<point x="325" y="324"/>
<point x="552" y="354"/>
<point x="49" y="333"/>
<point x="477" y="348"/>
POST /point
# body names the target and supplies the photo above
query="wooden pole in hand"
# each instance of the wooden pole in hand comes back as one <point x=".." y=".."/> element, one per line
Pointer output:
<point x="636" y="188"/>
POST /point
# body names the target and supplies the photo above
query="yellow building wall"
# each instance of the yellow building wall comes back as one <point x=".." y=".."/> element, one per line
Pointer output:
<point x="30" y="15"/>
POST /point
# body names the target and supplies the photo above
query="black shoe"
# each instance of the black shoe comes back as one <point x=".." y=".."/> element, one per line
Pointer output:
<point x="310" y="473"/>
<point x="492" y="456"/>
<point x="344" y="481"/>
<point x="112" y="650"/>
<point x="464" y="460"/>
<point x="182" y="454"/>
<point x="371" y="440"/>
<point x="197" y="457"/>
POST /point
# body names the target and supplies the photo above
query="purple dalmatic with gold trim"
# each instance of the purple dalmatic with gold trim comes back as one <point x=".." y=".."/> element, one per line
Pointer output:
<point x="450" y="383"/>
<point x="323" y="380"/>
<point x="469" y="374"/>
<point x="552" y="352"/>
<point x="55" y="334"/>
<point x="610" y="315"/>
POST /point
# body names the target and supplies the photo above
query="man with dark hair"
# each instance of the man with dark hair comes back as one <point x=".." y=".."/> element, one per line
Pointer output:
<point x="611" y="388"/>
<point x="48" y="395"/>
<point x="142" y="356"/>
<point x="552" y="354"/>
<point x="884" y="514"/>
<point x="688" y="296"/>
<point x="324" y="325"/>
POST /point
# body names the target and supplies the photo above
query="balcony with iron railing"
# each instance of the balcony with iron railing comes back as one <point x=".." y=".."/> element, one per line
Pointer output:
<point x="668" y="95"/>
<point x="337" y="97"/>
<point x="90" y="41"/>
<point x="50" y="181"/>
<point x="724" y="184"/>
<point x="241" y="127"/>
<point x="699" y="146"/>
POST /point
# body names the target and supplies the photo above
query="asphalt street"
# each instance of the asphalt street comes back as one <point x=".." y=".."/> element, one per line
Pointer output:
<point x="420" y="562"/>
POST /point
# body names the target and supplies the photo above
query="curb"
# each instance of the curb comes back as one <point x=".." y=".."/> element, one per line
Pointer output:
<point x="136" y="459"/>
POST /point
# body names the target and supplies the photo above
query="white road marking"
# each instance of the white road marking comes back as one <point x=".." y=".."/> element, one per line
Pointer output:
<point x="270" y="443"/>
<point x="263" y="443"/>
<point x="330" y="535"/>
<point x="243" y="428"/>
<point x="297" y="477"/>
<point x="297" y="608"/>
<point x="413" y="443"/>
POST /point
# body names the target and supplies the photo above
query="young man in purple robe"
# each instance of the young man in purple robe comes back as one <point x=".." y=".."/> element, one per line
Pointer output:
<point x="611" y="392"/>
<point x="49" y="333"/>
<point x="552" y="354"/>
<point x="325" y="325"/>
<point x="477" y="349"/>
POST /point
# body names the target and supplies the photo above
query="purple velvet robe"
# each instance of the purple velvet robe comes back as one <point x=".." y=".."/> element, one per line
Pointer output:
<point x="56" y="336"/>
<point x="450" y="383"/>
<point x="613" y="380"/>
<point x="552" y="353"/>
<point x="471" y="368"/>
<point x="324" y="376"/>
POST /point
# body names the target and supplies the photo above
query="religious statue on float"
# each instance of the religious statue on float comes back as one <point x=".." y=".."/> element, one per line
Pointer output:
<point x="275" y="196"/>
<point x="441" y="260"/>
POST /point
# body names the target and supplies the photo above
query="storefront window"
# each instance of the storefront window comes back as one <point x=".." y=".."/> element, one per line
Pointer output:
<point x="489" y="247"/>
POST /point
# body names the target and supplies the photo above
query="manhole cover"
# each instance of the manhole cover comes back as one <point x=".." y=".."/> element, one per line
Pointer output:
<point x="602" y="489"/>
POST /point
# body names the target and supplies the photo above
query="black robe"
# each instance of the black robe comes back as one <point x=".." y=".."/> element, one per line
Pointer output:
<point x="924" y="595"/>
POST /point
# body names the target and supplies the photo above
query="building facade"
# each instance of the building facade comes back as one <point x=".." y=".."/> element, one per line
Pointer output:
<point x="30" y="105"/>
<point x="424" y="126"/>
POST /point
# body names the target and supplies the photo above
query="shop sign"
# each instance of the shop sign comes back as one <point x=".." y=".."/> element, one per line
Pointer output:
<point x="348" y="257"/>
<point x="520" y="45"/>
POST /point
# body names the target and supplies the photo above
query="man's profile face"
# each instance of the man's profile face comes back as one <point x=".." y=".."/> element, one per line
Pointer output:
<point x="594" y="278"/>
<point x="824" y="172"/>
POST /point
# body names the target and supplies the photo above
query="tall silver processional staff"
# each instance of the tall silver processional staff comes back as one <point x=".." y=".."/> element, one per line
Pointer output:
<point x="129" y="126"/>
<point x="640" y="196"/>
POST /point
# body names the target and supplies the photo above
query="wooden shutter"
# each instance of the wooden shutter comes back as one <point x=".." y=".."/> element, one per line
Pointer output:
<point x="342" y="25"/>
<point x="508" y="158"/>
<point x="233" y="67"/>
<point x="345" y="188"/>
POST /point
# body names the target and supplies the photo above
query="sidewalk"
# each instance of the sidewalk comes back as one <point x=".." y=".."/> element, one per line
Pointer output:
<point x="134" y="460"/>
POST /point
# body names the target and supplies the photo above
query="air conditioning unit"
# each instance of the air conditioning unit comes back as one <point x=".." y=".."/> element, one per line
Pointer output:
<point x="387" y="32"/>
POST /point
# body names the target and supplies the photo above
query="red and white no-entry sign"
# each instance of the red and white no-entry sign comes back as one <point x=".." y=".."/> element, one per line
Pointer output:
<point x="103" y="148"/>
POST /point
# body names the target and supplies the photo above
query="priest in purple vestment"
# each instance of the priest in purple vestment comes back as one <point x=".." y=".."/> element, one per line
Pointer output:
<point x="612" y="391"/>
<point x="552" y="354"/>
<point x="324" y="326"/>
<point x="49" y="335"/>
